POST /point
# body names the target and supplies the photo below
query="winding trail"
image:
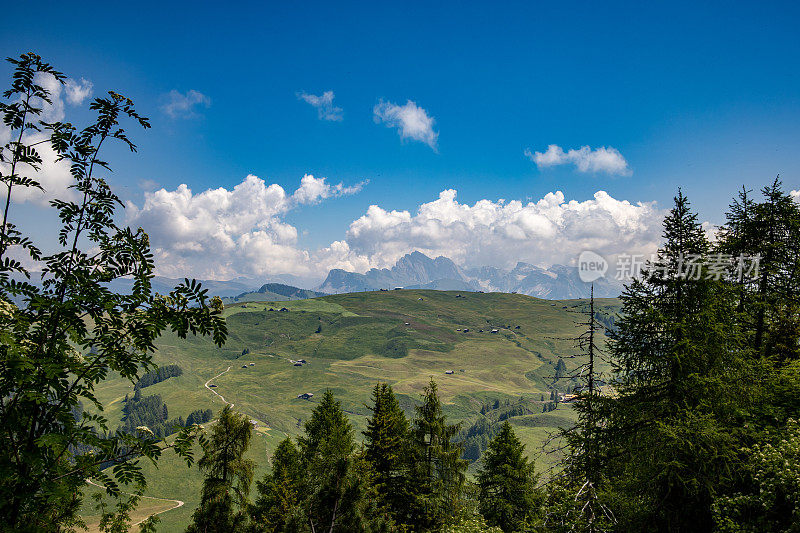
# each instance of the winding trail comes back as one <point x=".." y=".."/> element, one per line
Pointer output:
<point x="178" y="503"/>
<point x="215" y="392"/>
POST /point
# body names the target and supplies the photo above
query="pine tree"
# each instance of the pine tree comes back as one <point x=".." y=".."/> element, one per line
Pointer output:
<point x="228" y="475"/>
<point x="334" y="487"/>
<point x="438" y="469"/>
<point x="278" y="508"/>
<point x="769" y="231"/>
<point x="675" y="350"/>
<point x="561" y="369"/>
<point x="576" y="497"/>
<point x="507" y="494"/>
<point x="386" y="451"/>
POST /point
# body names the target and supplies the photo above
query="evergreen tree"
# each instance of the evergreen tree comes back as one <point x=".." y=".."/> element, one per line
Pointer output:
<point x="334" y="488"/>
<point x="576" y="499"/>
<point x="386" y="451"/>
<point x="769" y="231"/>
<point x="561" y="369"/>
<point x="278" y="508"/>
<point x="228" y="475"/>
<point x="438" y="469"/>
<point x="676" y="350"/>
<point x="508" y="497"/>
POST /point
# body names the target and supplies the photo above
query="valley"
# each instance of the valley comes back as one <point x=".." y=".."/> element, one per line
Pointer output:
<point x="501" y="348"/>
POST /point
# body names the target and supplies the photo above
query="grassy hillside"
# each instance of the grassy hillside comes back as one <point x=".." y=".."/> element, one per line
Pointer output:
<point x="352" y="341"/>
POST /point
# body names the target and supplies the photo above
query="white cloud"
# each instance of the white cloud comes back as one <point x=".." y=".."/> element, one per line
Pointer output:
<point x="54" y="176"/>
<point x="221" y="233"/>
<point x="795" y="195"/>
<point x="313" y="190"/>
<point x="147" y="184"/>
<point x="324" y="105"/>
<point x="585" y="159"/>
<point x="184" y="105"/>
<point x="78" y="91"/>
<point x="548" y="231"/>
<point x="411" y="121"/>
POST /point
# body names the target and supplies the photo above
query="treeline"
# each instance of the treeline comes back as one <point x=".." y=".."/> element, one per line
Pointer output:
<point x="151" y="412"/>
<point x="407" y="476"/>
<point x="158" y="375"/>
<point x="696" y="430"/>
<point x="475" y="438"/>
<point x="699" y="431"/>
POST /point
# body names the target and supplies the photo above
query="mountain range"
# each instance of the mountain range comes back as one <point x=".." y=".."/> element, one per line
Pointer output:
<point x="418" y="271"/>
<point x="412" y="271"/>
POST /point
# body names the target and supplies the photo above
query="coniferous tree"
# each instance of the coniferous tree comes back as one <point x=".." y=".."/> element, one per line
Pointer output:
<point x="576" y="497"/>
<point x="278" y="508"/>
<point x="335" y="488"/>
<point x="386" y="450"/>
<point x="438" y="469"/>
<point x="507" y="494"/>
<point x="768" y="231"/>
<point x="223" y="502"/>
<point x="677" y="356"/>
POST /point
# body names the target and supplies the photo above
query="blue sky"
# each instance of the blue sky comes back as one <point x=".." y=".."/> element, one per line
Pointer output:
<point x="706" y="97"/>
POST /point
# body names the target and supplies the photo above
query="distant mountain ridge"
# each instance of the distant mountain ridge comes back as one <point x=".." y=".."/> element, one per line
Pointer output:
<point x="412" y="271"/>
<point x="274" y="292"/>
<point x="418" y="271"/>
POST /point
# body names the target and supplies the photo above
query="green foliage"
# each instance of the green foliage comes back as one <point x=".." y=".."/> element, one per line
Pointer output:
<point x="508" y="497"/>
<point x="64" y="335"/>
<point x="561" y="369"/>
<point x="474" y="523"/>
<point x="335" y="489"/>
<point x="158" y="375"/>
<point x="768" y="307"/>
<point x="116" y="519"/>
<point x="677" y="352"/>
<point x="438" y="471"/>
<point x="772" y="501"/>
<point x="228" y="475"/>
<point x="386" y="451"/>
<point x="199" y="416"/>
<point x="278" y="507"/>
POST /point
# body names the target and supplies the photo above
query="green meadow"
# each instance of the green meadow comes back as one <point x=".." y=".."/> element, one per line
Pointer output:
<point x="352" y="341"/>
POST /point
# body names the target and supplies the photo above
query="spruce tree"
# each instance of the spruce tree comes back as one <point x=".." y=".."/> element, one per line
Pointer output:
<point x="335" y="492"/>
<point x="223" y="502"/>
<point x="507" y="495"/>
<point x="768" y="230"/>
<point x="438" y="469"/>
<point x="278" y="508"/>
<point x="386" y="451"/>
<point x="577" y="497"/>
<point x="676" y="351"/>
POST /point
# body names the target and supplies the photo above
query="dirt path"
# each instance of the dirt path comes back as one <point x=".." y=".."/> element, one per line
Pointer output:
<point x="215" y="392"/>
<point x="178" y="503"/>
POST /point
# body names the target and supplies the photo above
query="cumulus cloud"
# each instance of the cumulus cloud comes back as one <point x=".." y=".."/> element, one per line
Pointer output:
<point x="78" y="91"/>
<point x="411" y="121"/>
<point x="221" y="233"/>
<point x="324" y="105"/>
<point x="313" y="190"/>
<point x="550" y="230"/>
<point x="585" y="159"/>
<point x="184" y="105"/>
<point x="796" y="195"/>
<point x="53" y="175"/>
